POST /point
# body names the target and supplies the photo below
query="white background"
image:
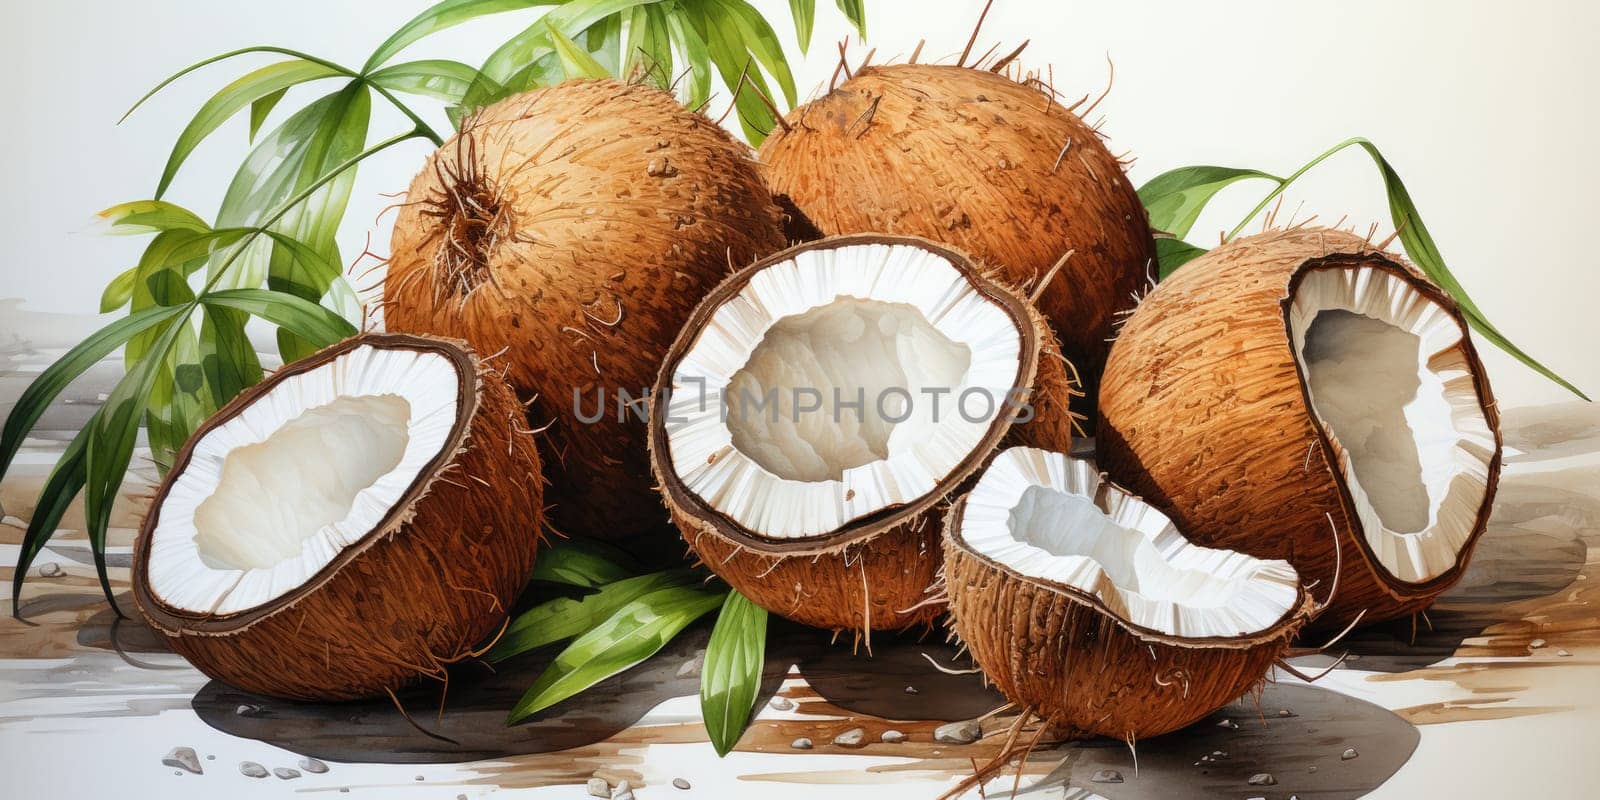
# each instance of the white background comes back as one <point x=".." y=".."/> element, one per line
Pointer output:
<point x="1487" y="110"/>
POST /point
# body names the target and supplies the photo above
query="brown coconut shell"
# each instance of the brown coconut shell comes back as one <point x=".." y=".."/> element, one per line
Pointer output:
<point x="574" y="228"/>
<point x="876" y="573"/>
<point x="1067" y="656"/>
<point x="433" y="580"/>
<point x="976" y="160"/>
<point x="1205" y="414"/>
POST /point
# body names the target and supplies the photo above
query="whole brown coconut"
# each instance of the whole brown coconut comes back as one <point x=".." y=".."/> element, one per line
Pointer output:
<point x="1088" y="608"/>
<point x="1302" y="395"/>
<point x="979" y="161"/>
<point x="818" y="510"/>
<point x="573" y="228"/>
<point x="355" y="522"/>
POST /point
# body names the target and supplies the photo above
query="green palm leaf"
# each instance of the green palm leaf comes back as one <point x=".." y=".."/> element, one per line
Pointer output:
<point x="731" y="677"/>
<point x="319" y="326"/>
<point x="439" y="78"/>
<point x="566" y="617"/>
<point x="65" y="481"/>
<point x="439" y="17"/>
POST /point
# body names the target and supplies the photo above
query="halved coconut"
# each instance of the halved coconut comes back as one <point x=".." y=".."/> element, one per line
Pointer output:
<point x="1088" y="606"/>
<point x="362" y="517"/>
<point x="1302" y="395"/>
<point x="820" y="404"/>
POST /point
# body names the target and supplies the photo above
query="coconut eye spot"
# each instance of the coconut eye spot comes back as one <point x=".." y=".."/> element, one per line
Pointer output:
<point x="344" y="441"/>
<point x="1390" y="384"/>
<point x="852" y="349"/>
<point x="322" y="458"/>
<point x="1051" y="519"/>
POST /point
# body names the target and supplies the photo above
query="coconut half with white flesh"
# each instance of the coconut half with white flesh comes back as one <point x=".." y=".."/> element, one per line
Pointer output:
<point x="1088" y="606"/>
<point x="1302" y="395"/>
<point x="822" y="402"/>
<point x="353" y="523"/>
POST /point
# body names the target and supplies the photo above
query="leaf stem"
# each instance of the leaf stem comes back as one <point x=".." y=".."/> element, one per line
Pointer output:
<point x="1284" y="183"/>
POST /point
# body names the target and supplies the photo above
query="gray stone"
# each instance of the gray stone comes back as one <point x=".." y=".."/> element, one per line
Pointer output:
<point x="1348" y="754"/>
<point x="313" y="765"/>
<point x="679" y="783"/>
<point x="893" y="736"/>
<point x="251" y="769"/>
<point x="286" y="773"/>
<point x="855" y="737"/>
<point x="781" y="703"/>
<point x="1262" y="779"/>
<point x="963" y="732"/>
<point x="597" y="787"/>
<point x="247" y="710"/>
<point x="51" y="569"/>
<point x="1563" y="653"/>
<point x="692" y="667"/>
<point x="622" y="792"/>
<point x="183" y="758"/>
<point x="1284" y="712"/>
<point x="801" y="743"/>
<point x="1536" y="644"/>
<point x="911" y="690"/>
<point x="1229" y="724"/>
<point x="1107" y="776"/>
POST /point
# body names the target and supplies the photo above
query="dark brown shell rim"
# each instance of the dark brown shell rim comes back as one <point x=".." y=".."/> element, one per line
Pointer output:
<point x="1298" y="614"/>
<point x="1344" y="261"/>
<point x="177" y="621"/>
<point x="884" y="519"/>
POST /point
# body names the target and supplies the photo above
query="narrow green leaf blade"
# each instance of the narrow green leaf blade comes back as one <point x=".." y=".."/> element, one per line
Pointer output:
<point x="438" y="17"/>
<point x="696" y="55"/>
<point x="566" y="617"/>
<point x="118" y="291"/>
<point x="575" y="61"/>
<point x="261" y="108"/>
<point x="649" y="46"/>
<point x="65" y="481"/>
<point x="33" y="401"/>
<point x="319" y="325"/>
<point x="637" y="631"/>
<point x="439" y="78"/>
<point x="804" y="13"/>
<point x="1174" y="199"/>
<point x="1174" y="253"/>
<point x="856" y="12"/>
<point x="150" y="216"/>
<point x="233" y="97"/>
<point x="583" y="563"/>
<point x="731" y="677"/>
<point x="762" y="42"/>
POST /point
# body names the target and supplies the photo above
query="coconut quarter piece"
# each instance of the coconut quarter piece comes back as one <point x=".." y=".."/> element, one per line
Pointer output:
<point x="1302" y="395"/>
<point x="355" y="521"/>
<point x="1089" y="607"/>
<point x="822" y="402"/>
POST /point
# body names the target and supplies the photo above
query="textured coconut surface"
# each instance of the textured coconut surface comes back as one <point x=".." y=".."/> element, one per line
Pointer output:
<point x="1498" y="698"/>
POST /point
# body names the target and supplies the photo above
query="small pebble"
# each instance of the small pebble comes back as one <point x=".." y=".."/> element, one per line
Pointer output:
<point x="1262" y="779"/>
<point x="51" y="569"/>
<point x="1348" y="754"/>
<point x="1284" y="712"/>
<point x="679" y="783"/>
<point x="286" y="773"/>
<point x="1229" y="724"/>
<point x="963" y="732"/>
<point x="855" y="737"/>
<point x="313" y="766"/>
<point x="183" y="758"/>
<point x="801" y="743"/>
<point x="1563" y="653"/>
<point x="893" y="737"/>
<point x="251" y="769"/>
<point x="211" y="758"/>
<point x="1536" y="644"/>
<point x="1311" y="768"/>
<point x="1107" y="776"/>
<point x="692" y="667"/>
<point x="597" y="787"/>
<point x="622" y="792"/>
<point x="1219" y="754"/>
<point x="911" y="690"/>
<point x="781" y="703"/>
<point x="247" y="710"/>
<point x="178" y="772"/>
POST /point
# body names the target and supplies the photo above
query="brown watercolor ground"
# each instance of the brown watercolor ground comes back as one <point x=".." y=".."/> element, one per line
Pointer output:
<point x="1536" y="576"/>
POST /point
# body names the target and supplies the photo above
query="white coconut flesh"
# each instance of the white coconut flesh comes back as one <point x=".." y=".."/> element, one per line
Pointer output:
<point x="1050" y="517"/>
<point x="887" y="322"/>
<point x="274" y="494"/>
<point x="1390" y="382"/>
